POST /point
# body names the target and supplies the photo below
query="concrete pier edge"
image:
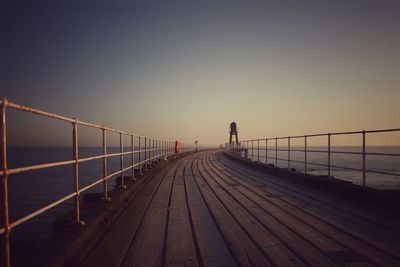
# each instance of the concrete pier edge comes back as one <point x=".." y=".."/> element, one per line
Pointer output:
<point x="385" y="201"/>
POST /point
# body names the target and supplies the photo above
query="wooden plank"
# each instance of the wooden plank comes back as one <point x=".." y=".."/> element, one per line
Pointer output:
<point x="261" y="236"/>
<point x="245" y="251"/>
<point x="342" y="206"/>
<point x="353" y="244"/>
<point x="149" y="239"/>
<point x="180" y="247"/>
<point x="212" y="247"/>
<point x="112" y="248"/>
<point x="280" y="231"/>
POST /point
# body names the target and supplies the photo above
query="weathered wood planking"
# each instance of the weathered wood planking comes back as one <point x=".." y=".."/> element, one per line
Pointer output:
<point x="208" y="210"/>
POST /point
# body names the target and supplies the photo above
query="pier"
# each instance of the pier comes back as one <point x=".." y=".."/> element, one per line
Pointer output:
<point x="207" y="207"/>
<point x="208" y="210"/>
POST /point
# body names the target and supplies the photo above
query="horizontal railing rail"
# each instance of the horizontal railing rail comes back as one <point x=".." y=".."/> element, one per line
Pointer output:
<point x="148" y="151"/>
<point x="241" y="150"/>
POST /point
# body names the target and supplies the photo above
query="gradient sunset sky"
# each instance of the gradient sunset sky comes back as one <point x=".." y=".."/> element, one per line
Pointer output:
<point x="185" y="69"/>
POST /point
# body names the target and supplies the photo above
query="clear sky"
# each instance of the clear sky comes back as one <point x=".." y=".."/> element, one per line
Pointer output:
<point x="185" y="69"/>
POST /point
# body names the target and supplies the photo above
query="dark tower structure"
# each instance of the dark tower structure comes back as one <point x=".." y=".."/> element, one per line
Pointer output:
<point x="233" y="131"/>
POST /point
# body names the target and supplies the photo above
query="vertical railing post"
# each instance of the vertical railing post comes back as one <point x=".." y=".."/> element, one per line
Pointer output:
<point x="105" y="182"/>
<point x="164" y="149"/>
<point x="252" y="150"/>
<point x="329" y="155"/>
<point x="305" y="154"/>
<point x="363" y="155"/>
<point x="288" y="152"/>
<point x="140" y="155"/>
<point x="76" y="172"/>
<point x="152" y="151"/>
<point x="247" y="149"/>
<point x="4" y="186"/>
<point x="266" y="151"/>
<point x="258" y="150"/>
<point x="121" y="160"/>
<point x="276" y="152"/>
<point x="145" y="153"/>
<point x="133" y="156"/>
<point x="150" y="158"/>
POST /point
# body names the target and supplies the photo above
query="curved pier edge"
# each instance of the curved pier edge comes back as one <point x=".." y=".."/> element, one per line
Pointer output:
<point x="385" y="201"/>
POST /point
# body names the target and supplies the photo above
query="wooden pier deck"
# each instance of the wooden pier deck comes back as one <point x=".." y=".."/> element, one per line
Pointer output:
<point x="208" y="210"/>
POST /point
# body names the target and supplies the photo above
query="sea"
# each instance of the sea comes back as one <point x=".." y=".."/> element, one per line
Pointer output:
<point x="31" y="191"/>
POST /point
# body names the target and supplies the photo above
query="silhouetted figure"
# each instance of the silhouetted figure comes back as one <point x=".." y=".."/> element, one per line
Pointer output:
<point x="233" y="131"/>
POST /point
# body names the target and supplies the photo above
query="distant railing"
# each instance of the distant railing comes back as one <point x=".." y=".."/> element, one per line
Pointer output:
<point x="149" y="151"/>
<point x="241" y="151"/>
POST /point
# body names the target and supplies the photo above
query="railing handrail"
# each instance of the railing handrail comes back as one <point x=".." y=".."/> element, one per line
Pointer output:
<point x="245" y="145"/>
<point x="69" y="119"/>
<point x="326" y="134"/>
<point x="149" y="150"/>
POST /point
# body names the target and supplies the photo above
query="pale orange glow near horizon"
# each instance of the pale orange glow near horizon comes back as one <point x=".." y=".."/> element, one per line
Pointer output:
<point x="184" y="72"/>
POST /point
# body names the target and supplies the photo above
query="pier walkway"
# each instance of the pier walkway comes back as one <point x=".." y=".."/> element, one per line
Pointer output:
<point x="206" y="209"/>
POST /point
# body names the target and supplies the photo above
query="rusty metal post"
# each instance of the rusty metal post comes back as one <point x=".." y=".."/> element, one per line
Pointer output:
<point x="76" y="172"/>
<point x="329" y="155"/>
<point x="305" y="154"/>
<point x="105" y="182"/>
<point x="363" y="156"/>
<point x="121" y="160"/>
<point x="258" y="149"/>
<point x="4" y="186"/>
<point x="276" y="152"/>
<point x="133" y="157"/>
<point x="288" y="152"/>
<point x="266" y="151"/>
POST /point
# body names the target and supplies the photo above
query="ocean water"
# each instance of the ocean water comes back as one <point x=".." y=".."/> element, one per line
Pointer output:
<point x="390" y="164"/>
<point x="31" y="191"/>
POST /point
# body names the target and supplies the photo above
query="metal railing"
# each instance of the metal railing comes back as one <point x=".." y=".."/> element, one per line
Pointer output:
<point x="148" y="151"/>
<point x="241" y="151"/>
